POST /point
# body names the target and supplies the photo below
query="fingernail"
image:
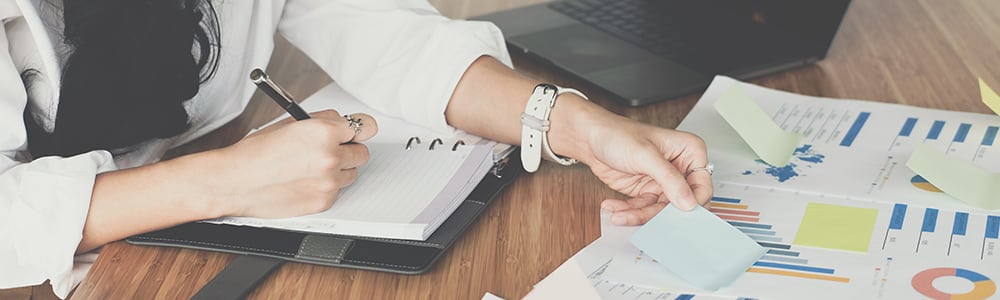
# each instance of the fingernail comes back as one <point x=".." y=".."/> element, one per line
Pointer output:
<point x="608" y="207"/>
<point x="619" y="220"/>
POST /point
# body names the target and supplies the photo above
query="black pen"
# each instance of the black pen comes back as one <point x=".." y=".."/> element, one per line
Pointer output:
<point x="277" y="94"/>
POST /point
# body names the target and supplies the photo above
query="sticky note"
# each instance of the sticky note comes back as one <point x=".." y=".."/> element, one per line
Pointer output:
<point x="697" y="246"/>
<point x="956" y="177"/>
<point x="771" y="143"/>
<point x="990" y="97"/>
<point x="836" y="227"/>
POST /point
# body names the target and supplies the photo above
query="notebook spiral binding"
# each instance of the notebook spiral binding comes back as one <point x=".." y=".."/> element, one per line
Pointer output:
<point x="454" y="147"/>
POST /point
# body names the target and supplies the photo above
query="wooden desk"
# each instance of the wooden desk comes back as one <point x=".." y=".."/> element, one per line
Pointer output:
<point x="925" y="53"/>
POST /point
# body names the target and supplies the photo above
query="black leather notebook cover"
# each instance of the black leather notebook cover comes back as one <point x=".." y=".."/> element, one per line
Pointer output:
<point x="398" y="256"/>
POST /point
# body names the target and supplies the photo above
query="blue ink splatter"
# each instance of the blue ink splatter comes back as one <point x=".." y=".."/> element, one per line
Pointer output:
<point x="787" y="172"/>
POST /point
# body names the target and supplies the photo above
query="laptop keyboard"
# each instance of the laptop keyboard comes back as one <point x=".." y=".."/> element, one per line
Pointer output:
<point x="635" y="21"/>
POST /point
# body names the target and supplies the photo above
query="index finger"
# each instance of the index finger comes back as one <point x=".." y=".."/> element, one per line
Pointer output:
<point x="675" y="186"/>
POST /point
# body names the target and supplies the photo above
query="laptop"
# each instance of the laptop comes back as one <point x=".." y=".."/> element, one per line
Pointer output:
<point x="646" y="51"/>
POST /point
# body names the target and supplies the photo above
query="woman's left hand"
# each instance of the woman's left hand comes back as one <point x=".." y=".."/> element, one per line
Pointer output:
<point x="652" y="166"/>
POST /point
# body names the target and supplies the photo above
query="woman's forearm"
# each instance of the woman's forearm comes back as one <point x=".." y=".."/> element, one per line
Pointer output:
<point x="490" y="98"/>
<point x="151" y="197"/>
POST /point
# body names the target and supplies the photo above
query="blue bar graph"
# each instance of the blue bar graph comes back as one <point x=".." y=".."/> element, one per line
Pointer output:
<point x="786" y="259"/>
<point x="961" y="222"/>
<point x="750" y="225"/>
<point x="930" y="220"/>
<point x="855" y="129"/>
<point x="991" y="135"/>
<point x="935" y="130"/>
<point x="992" y="227"/>
<point x="727" y="200"/>
<point x="782" y="252"/>
<point x="757" y="231"/>
<point x="898" y="215"/>
<point x="963" y="132"/>
<point x="684" y="297"/>
<point x="908" y="127"/>
<point x="765" y="238"/>
<point x="773" y="245"/>
<point x="793" y="267"/>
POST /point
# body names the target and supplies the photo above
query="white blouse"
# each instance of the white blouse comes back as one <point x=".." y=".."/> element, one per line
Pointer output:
<point x="400" y="57"/>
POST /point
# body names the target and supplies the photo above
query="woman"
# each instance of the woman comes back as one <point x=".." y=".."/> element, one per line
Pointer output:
<point x="94" y="93"/>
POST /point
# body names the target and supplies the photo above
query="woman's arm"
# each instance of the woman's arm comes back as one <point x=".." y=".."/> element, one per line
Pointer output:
<point x="647" y="163"/>
<point x="287" y="169"/>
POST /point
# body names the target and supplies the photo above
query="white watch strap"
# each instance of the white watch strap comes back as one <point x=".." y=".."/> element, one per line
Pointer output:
<point x="535" y="126"/>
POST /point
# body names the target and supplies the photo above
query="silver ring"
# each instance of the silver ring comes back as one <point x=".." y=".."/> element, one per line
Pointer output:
<point x="354" y="123"/>
<point x="710" y="168"/>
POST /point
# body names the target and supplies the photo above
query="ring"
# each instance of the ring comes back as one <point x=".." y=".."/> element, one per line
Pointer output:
<point x="710" y="168"/>
<point x="353" y="123"/>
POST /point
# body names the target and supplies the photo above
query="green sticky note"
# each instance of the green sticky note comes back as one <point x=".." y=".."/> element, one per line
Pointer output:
<point x="772" y="144"/>
<point x="836" y="227"/>
<point x="990" y="97"/>
<point x="958" y="178"/>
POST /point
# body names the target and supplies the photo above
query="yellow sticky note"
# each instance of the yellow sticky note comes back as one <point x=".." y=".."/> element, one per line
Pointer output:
<point x="772" y="144"/>
<point x="836" y="227"/>
<point x="956" y="177"/>
<point x="990" y="97"/>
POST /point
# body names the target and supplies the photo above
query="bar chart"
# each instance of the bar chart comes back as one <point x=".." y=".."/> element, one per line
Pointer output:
<point x="781" y="259"/>
<point x="881" y="248"/>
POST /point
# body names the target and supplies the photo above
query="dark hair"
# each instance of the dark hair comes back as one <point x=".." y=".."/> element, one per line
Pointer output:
<point x="133" y="65"/>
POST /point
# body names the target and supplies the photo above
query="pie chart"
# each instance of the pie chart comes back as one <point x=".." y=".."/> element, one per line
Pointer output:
<point x="982" y="287"/>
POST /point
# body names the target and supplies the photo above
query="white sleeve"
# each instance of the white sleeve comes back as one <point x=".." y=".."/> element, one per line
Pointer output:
<point x="400" y="57"/>
<point x="43" y="203"/>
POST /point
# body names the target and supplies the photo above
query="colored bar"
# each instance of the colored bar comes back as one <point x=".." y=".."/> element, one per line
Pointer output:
<point x="727" y="200"/>
<point x="757" y="231"/>
<point x="963" y="132"/>
<point x="961" y="222"/>
<point x="684" y="297"/>
<point x="991" y="135"/>
<point x="782" y="252"/>
<point x="765" y="238"/>
<point x="785" y="259"/>
<point x="773" y="245"/>
<point x="855" y="129"/>
<point x="935" y="130"/>
<point x="734" y="212"/>
<point x="930" y="220"/>
<point x="898" y="215"/>
<point x="750" y="225"/>
<point x="793" y="267"/>
<point x="908" y="127"/>
<point x="738" y="218"/>
<point x="728" y="205"/>
<point x="798" y="274"/>
<point x="992" y="227"/>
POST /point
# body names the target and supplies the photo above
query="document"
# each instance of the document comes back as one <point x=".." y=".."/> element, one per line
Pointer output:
<point x="849" y="148"/>
<point x="414" y="179"/>
<point x="846" y="218"/>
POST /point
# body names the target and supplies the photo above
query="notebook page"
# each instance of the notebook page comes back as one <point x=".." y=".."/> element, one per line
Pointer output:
<point x="396" y="184"/>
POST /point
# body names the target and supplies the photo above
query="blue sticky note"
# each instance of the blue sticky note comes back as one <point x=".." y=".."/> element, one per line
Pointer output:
<point x="697" y="246"/>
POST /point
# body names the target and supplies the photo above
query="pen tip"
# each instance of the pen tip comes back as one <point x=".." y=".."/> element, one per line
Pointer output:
<point x="257" y="74"/>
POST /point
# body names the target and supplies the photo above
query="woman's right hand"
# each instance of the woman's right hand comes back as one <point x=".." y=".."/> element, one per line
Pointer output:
<point x="292" y="168"/>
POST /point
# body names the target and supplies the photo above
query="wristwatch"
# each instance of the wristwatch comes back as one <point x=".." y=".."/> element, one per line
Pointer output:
<point x="535" y="126"/>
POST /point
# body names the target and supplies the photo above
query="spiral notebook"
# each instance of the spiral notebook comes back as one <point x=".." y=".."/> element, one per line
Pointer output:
<point x="415" y="178"/>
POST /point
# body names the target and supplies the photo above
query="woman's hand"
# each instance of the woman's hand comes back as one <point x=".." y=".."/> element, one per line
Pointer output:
<point x="293" y="168"/>
<point x="653" y="166"/>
